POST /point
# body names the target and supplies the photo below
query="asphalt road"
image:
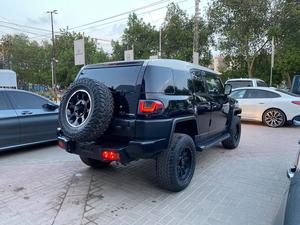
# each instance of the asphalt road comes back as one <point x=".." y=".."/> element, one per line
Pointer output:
<point x="45" y="185"/>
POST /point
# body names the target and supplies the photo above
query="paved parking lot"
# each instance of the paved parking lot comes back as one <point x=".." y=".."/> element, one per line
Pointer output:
<point x="45" y="185"/>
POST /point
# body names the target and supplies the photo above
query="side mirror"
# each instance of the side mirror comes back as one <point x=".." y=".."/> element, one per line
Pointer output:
<point x="50" y="106"/>
<point x="227" y="89"/>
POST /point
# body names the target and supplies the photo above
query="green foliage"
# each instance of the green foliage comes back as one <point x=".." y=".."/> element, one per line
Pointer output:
<point x="177" y="36"/>
<point x="241" y="27"/>
<point x="141" y="36"/>
<point x="287" y="57"/>
<point x="32" y="61"/>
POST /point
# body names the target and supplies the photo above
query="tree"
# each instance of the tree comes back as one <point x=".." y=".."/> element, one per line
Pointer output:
<point x="177" y="36"/>
<point x="140" y="36"/>
<point x="31" y="60"/>
<point x="241" y="27"/>
<point x="287" y="55"/>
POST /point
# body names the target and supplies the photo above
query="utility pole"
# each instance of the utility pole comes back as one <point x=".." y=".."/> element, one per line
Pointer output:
<point x="53" y="60"/>
<point x="196" y="33"/>
<point x="159" y="52"/>
<point x="272" y="61"/>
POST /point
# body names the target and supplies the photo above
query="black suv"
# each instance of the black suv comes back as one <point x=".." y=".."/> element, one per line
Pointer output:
<point x="159" y="109"/>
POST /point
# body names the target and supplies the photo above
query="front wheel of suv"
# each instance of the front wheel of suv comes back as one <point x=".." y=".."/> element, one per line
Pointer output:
<point x="94" y="163"/>
<point x="175" y="166"/>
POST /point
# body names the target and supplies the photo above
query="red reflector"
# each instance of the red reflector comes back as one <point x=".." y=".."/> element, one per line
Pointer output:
<point x="110" y="155"/>
<point x="150" y="106"/>
<point x="296" y="102"/>
<point x="61" y="144"/>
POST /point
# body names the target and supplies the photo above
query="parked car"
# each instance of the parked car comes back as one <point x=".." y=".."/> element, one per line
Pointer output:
<point x="26" y="119"/>
<point x="158" y="109"/>
<point x="288" y="213"/>
<point x="273" y="107"/>
<point x="246" y="82"/>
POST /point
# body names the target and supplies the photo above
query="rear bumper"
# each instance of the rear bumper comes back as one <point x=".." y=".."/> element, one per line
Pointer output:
<point x="127" y="152"/>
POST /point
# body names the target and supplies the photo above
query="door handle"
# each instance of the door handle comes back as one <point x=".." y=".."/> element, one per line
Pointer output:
<point x="261" y="103"/>
<point x="26" y="113"/>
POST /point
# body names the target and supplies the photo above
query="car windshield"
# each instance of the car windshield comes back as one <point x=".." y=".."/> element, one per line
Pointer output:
<point x="287" y="93"/>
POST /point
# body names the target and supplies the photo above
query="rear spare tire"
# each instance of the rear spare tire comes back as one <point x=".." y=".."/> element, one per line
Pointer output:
<point x="86" y="110"/>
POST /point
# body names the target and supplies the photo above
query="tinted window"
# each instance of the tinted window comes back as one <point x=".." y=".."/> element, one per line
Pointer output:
<point x="23" y="100"/>
<point x="260" y="94"/>
<point x="261" y="84"/>
<point x="214" y="84"/>
<point x="159" y="79"/>
<point x="120" y="77"/>
<point x="199" y="82"/>
<point x="288" y="93"/>
<point x="4" y="105"/>
<point x="240" y="83"/>
<point x="238" y="94"/>
<point x="183" y="82"/>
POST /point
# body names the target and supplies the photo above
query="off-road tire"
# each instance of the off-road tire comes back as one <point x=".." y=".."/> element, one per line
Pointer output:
<point x="94" y="163"/>
<point x="168" y="176"/>
<point x="235" y="134"/>
<point x="100" y="114"/>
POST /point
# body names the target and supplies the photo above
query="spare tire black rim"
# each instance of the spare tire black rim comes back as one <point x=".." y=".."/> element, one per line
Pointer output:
<point x="78" y="108"/>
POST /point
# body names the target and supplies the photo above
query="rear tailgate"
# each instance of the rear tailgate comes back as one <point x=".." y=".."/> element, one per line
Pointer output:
<point x="124" y="79"/>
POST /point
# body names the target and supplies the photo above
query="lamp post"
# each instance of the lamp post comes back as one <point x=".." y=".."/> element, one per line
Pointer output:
<point x="53" y="60"/>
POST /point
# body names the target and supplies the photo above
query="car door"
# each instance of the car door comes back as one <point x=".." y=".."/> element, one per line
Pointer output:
<point x="37" y="124"/>
<point x="9" y="124"/>
<point x="219" y="103"/>
<point x="202" y="103"/>
<point x="256" y="101"/>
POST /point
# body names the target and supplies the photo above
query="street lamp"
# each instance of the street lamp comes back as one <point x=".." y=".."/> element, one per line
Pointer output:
<point x="53" y="60"/>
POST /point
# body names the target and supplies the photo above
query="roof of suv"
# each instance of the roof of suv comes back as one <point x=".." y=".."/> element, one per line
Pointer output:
<point x="173" y="63"/>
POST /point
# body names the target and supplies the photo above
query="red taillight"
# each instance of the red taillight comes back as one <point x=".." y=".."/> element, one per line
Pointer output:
<point x="296" y="102"/>
<point x="61" y="144"/>
<point x="110" y="155"/>
<point x="150" y="106"/>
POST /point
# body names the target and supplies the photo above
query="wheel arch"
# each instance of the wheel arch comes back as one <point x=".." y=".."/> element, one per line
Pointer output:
<point x="186" y="125"/>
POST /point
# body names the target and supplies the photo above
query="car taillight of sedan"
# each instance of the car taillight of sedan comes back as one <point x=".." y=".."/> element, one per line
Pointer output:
<point x="296" y="102"/>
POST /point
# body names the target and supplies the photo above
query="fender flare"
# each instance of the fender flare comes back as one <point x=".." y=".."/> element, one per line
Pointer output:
<point x="179" y="120"/>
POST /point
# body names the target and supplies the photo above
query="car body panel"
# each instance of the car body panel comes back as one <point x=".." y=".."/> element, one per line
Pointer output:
<point x="25" y="126"/>
<point x="253" y="109"/>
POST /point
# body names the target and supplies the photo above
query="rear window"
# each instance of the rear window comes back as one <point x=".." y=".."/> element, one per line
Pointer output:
<point x="159" y="80"/>
<point x="118" y="78"/>
<point x="288" y="93"/>
<point x="261" y="83"/>
<point x="240" y="83"/>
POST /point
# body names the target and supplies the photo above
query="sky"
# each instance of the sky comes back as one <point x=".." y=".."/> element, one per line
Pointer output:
<point x="73" y="13"/>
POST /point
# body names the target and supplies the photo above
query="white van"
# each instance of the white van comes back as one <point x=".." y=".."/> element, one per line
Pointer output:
<point x="246" y="82"/>
<point x="8" y="79"/>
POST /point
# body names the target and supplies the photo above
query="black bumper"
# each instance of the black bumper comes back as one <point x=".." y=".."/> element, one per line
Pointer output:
<point x="130" y="151"/>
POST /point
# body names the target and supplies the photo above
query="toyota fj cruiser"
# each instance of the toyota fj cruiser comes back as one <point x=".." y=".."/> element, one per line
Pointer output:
<point x="160" y="109"/>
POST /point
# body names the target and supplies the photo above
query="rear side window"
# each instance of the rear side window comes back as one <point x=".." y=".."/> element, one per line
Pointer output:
<point x="183" y="82"/>
<point x="261" y="83"/>
<point x="23" y="100"/>
<point x="240" y="83"/>
<point x="159" y="80"/>
<point x="238" y="94"/>
<point x="4" y="105"/>
<point x="119" y="78"/>
<point x="252" y="93"/>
